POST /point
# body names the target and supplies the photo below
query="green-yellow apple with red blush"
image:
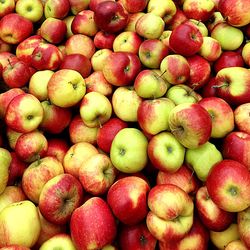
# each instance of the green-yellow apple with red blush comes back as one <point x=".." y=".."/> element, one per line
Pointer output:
<point x="171" y="212"/>
<point x="37" y="174"/>
<point x="66" y="88"/>
<point x="150" y="85"/>
<point x="68" y="21"/>
<point x="19" y="224"/>
<point x="95" y="109"/>
<point x="59" y="197"/>
<point x="7" y="57"/>
<point x="212" y="217"/>
<point x="79" y="132"/>
<point x="243" y="219"/>
<point x="125" y="103"/>
<point x="76" y="155"/>
<point x="56" y="8"/>
<point x="38" y="84"/>
<point x="92" y="225"/>
<point x="165" y="152"/>
<point x="201" y="26"/>
<point x="129" y="157"/>
<point x="241" y="117"/>
<point x="131" y="206"/>
<point x="12" y="137"/>
<point x="134" y="7"/>
<point x="215" y="19"/>
<point x="152" y="115"/>
<point x="230" y="192"/>
<point x="31" y="146"/>
<point x="236" y="244"/>
<point x="175" y="69"/>
<point x="165" y="37"/>
<point x="181" y="93"/>
<point x="31" y="9"/>
<point x="24" y="113"/>
<point x="152" y="52"/>
<point x="99" y="58"/>
<point x="97" y="174"/>
<point x="78" y="5"/>
<point x="7" y="7"/>
<point x="246" y="53"/>
<point x="133" y="17"/>
<point x="62" y="241"/>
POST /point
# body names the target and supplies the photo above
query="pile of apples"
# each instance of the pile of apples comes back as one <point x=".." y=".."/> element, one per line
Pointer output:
<point x="124" y="125"/>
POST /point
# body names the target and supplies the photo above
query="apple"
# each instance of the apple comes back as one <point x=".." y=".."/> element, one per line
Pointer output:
<point x="175" y="69"/>
<point x="5" y="47"/>
<point x="55" y="119"/>
<point x="233" y="85"/>
<point x="150" y="26"/>
<point x="241" y="117"/>
<point x="93" y="4"/>
<point x="77" y="62"/>
<point x="59" y="197"/>
<point x="62" y="241"/>
<point x="124" y="72"/>
<point x="153" y="115"/>
<point x="76" y="155"/>
<point x="19" y="224"/>
<point x="66" y="88"/>
<point x="7" y="7"/>
<point x="198" y="9"/>
<point x="152" y="52"/>
<point x="201" y="26"/>
<point x="134" y="7"/>
<point x="31" y="9"/>
<point x="243" y="225"/>
<point x="107" y="132"/>
<point x="104" y="40"/>
<point x="183" y="178"/>
<point x="171" y="212"/>
<point x="191" y="124"/>
<point x="10" y="195"/>
<point x="24" y="113"/>
<point x="110" y="16"/>
<point x="131" y="206"/>
<point x="79" y="132"/>
<point x="127" y="41"/>
<point x="97" y="174"/>
<point x="125" y="103"/>
<point x="181" y="93"/>
<point x="96" y="82"/>
<point x="129" y="157"/>
<point x="93" y="225"/>
<point x="7" y="57"/>
<point x="228" y="59"/>
<point x="230" y="193"/>
<point x="99" y="58"/>
<point x="177" y="19"/>
<point x="56" y="8"/>
<point x="229" y="37"/>
<point x="237" y="16"/>
<point x="165" y="37"/>
<point x="12" y="137"/>
<point x="236" y="244"/>
<point x="83" y="23"/>
<point x="133" y="17"/>
<point x="38" y="84"/>
<point x="37" y="174"/>
<point x="14" y="28"/>
<point x="236" y="146"/>
<point x="222" y="115"/>
<point x="15" y="247"/>
<point x="95" y="109"/>
<point x="80" y="44"/>
<point x="165" y="152"/>
<point x="246" y="53"/>
<point x="212" y="217"/>
<point x="68" y="21"/>
<point x="214" y="19"/>
<point x="185" y="39"/>
<point x="150" y="85"/>
<point x="136" y="236"/>
<point x="78" y="5"/>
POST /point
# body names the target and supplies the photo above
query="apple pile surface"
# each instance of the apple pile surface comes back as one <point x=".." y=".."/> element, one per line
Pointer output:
<point x="124" y="125"/>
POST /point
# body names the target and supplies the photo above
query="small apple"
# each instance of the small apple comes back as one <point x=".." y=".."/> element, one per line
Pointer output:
<point x="241" y="117"/>
<point x="104" y="40"/>
<point x="7" y="7"/>
<point x="56" y="8"/>
<point x="133" y="17"/>
<point x="99" y="58"/>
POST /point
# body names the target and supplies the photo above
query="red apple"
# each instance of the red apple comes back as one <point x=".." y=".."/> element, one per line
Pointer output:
<point x="56" y="8"/>
<point x="208" y="90"/>
<point x="93" y="4"/>
<point x="5" y="47"/>
<point x="134" y="7"/>
<point x="104" y="40"/>
<point x="241" y="117"/>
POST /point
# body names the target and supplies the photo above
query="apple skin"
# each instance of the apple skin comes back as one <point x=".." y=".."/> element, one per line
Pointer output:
<point x="134" y="7"/>
<point x="93" y="4"/>
<point x="230" y="193"/>
<point x="12" y="137"/>
<point x="208" y="90"/>
<point x="24" y="113"/>
<point x="191" y="124"/>
<point x="186" y="39"/>
<point x="5" y="47"/>
<point x="93" y="225"/>
<point x="243" y="225"/>
<point x="7" y="7"/>
<point x="237" y="16"/>
<point x="228" y="80"/>
<point x="107" y="132"/>
<point x="9" y="24"/>
<point x="222" y="115"/>
<point x="7" y="57"/>
<point x="59" y="197"/>
<point x="104" y="40"/>
<point x="15" y="247"/>
<point x="211" y="215"/>
<point x="78" y="5"/>
<point x="136" y="236"/>
<point x="236" y="245"/>
<point x="236" y="147"/>
<point x="241" y="117"/>
<point x="99" y="58"/>
<point x="131" y="207"/>
<point x="246" y="54"/>
<point x="166" y="203"/>
<point x="56" y="8"/>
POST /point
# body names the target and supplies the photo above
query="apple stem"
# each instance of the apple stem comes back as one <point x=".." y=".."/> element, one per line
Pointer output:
<point x="9" y="61"/>
<point x="190" y="179"/>
<point x="100" y="125"/>
<point x="220" y="86"/>
<point x="160" y="76"/>
<point x="38" y="159"/>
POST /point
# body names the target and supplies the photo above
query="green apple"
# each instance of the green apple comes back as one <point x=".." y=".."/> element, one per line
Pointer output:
<point x="128" y="151"/>
<point x="19" y="224"/>
<point x="202" y="159"/>
<point x="5" y="160"/>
